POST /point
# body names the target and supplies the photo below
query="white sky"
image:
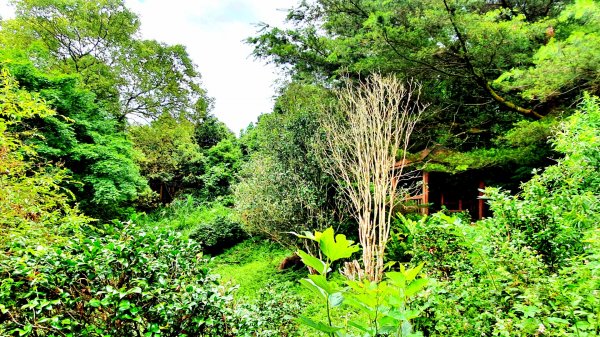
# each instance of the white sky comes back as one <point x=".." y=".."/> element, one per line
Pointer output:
<point x="213" y="32"/>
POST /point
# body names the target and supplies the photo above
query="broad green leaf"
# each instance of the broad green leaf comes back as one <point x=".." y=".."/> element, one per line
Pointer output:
<point x="313" y="262"/>
<point x="94" y="303"/>
<point x="124" y="305"/>
<point x="410" y="274"/>
<point x="338" y="247"/>
<point x="397" y="278"/>
<point x="416" y="286"/>
<point x="318" y="325"/>
<point x="308" y="235"/>
<point x="309" y="284"/>
<point x="135" y="290"/>
<point x="321" y="282"/>
<point x="360" y="304"/>
<point x="361" y="327"/>
<point x="557" y="321"/>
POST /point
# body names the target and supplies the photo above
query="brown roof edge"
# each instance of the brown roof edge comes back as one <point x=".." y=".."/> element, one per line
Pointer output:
<point x="422" y="155"/>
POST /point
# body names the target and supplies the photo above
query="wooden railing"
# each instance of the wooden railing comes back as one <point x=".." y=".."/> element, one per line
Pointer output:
<point x="419" y="202"/>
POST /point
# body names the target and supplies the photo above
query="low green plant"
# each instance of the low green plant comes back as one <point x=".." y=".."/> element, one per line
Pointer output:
<point x="126" y="281"/>
<point x="213" y="225"/>
<point x="271" y="312"/>
<point x="436" y="240"/>
<point x="559" y="204"/>
<point x="217" y="234"/>
<point x="253" y="266"/>
<point x="504" y="288"/>
<point x="267" y="298"/>
<point x="385" y="306"/>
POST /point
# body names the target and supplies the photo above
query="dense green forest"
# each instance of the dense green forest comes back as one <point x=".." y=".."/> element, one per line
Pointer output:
<point x="429" y="168"/>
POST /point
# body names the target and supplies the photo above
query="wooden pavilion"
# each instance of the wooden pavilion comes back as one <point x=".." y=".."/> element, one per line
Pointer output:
<point x="458" y="192"/>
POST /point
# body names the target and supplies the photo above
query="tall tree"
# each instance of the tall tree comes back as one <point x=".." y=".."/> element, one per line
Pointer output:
<point x="484" y="65"/>
<point x="177" y="156"/>
<point x="82" y="136"/>
<point x="568" y="62"/>
<point x="169" y="157"/>
<point x="33" y="206"/>
<point x="437" y="41"/>
<point x="98" y="40"/>
<point x="283" y="186"/>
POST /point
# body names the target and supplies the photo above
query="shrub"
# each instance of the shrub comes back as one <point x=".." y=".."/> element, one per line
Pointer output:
<point x="504" y="288"/>
<point x="271" y="313"/>
<point x="218" y="234"/>
<point x="127" y="282"/>
<point x="532" y="269"/>
<point x="436" y="241"/>
<point x="559" y="204"/>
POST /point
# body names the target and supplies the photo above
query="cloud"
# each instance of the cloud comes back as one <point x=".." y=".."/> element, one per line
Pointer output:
<point x="213" y="32"/>
<point x="6" y="11"/>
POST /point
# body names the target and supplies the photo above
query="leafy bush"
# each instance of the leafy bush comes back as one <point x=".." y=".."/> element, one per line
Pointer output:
<point x="218" y="234"/>
<point x="386" y="305"/>
<point x="504" y="288"/>
<point x="271" y="313"/>
<point x="559" y="204"/>
<point x="532" y="269"/>
<point x="212" y="225"/>
<point x="126" y="282"/>
<point x="432" y="240"/>
<point x="82" y="136"/>
<point x="486" y="278"/>
<point x="33" y="206"/>
<point x="282" y="186"/>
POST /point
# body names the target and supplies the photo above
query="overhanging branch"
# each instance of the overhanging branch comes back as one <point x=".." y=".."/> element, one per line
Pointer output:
<point x="481" y="78"/>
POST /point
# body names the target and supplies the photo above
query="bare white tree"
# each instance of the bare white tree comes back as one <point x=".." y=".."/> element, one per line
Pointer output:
<point x="373" y="124"/>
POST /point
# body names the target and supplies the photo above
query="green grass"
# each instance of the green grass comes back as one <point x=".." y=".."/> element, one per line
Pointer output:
<point x="253" y="264"/>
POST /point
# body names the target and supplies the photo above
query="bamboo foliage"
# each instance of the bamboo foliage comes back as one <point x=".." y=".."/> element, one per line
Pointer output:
<point x="373" y="124"/>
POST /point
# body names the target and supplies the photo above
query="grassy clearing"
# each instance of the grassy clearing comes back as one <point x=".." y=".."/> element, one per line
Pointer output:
<point x="252" y="265"/>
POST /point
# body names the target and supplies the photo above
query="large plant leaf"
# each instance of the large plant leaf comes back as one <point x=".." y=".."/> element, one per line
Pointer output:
<point x="338" y="247"/>
<point x="309" y="284"/>
<point x="321" y="282"/>
<point x="313" y="262"/>
<point x="318" y="325"/>
<point x="416" y="286"/>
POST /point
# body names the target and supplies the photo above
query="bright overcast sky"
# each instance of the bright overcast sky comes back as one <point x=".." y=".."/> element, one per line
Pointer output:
<point x="213" y="32"/>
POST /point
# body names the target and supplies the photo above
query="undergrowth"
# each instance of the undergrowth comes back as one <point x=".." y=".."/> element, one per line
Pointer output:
<point x="253" y="264"/>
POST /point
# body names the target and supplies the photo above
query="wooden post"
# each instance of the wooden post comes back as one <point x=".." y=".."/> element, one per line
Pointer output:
<point x="480" y="201"/>
<point x="425" y="210"/>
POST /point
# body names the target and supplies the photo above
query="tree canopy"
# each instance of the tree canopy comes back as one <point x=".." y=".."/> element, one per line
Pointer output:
<point x="99" y="40"/>
<point x="81" y="136"/>
<point x="484" y="65"/>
